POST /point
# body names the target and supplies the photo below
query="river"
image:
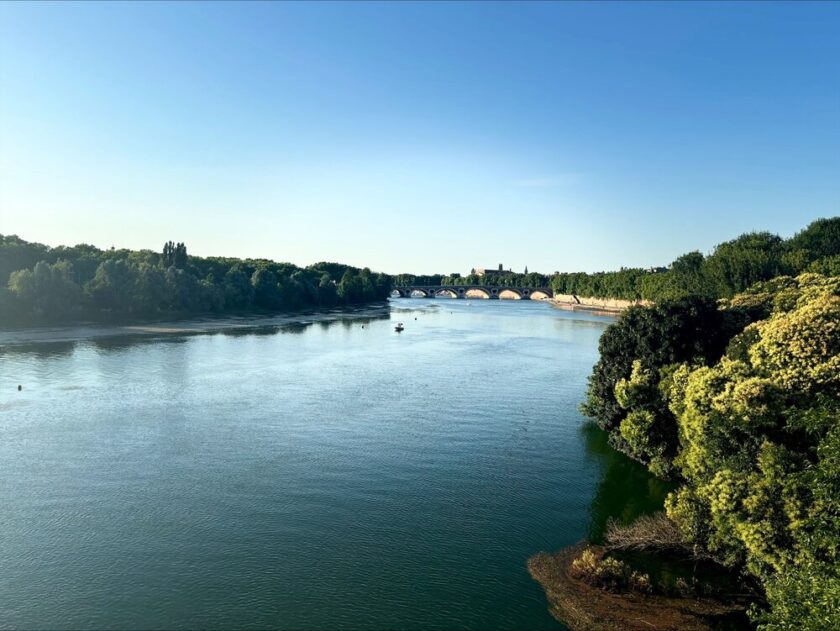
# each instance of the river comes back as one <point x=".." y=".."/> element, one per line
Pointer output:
<point x="318" y="473"/>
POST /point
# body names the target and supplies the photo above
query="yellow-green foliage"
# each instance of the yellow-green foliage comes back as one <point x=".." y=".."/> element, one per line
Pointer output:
<point x="800" y="350"/>
<point x="804" y="598"/>
<point x="784" y="292"/>
<point x="641" y="429"/>
<point x="607" y="572"/>
<point x="772" y="295"/>
<point x="633" y="392"/>
<point x="635" y="429"/>
<point x="585" y="564"/>
<point x="759" y="450"/>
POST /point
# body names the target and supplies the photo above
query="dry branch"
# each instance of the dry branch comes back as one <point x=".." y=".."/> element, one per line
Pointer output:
<point x="649" y="532"/>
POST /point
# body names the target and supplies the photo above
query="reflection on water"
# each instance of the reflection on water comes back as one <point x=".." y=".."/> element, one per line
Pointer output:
<point x="42" y="350"/>
<point x="122" y="343"/>
<point x="48" y="342"/>
<point x="626" y="489"/>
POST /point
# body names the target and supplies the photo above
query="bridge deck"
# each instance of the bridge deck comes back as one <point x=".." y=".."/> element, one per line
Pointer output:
<point x="469" y="291"/>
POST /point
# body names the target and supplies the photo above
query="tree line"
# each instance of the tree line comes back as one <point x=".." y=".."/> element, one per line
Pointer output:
<point x="732" y="267"/>
<point x="43" y="284"/>
<point x="40" y="284"/>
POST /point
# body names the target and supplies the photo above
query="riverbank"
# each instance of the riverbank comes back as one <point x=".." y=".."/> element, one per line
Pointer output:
<point x="585" y="607"/>
<point x="611" y="306"/>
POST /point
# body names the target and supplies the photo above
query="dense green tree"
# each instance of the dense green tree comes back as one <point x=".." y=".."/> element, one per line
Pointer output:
<point x="266" y="291"/>
<point x="691" y="329"/>
<point x="737" y="264"/>
<point x="827" y="266"/>
<point x="66" y="283"/>
<point x="17" y="254"/>
<point x="350" y="288"/>
<point x="731" y="268"/>
<point x="402" y="280"/>
<point x="237" y="288"/>
<point x="334" y="270"/>
<point x="210" y="295"/>
<point x="183" y="291"/>
<point x="819" y="240"/>
<point x="112" y="286"/>
<point x="174" y="255"/>
<point x="47" y="290"/>
<point x="327" y="291"/>
<point x="150" y="290"/>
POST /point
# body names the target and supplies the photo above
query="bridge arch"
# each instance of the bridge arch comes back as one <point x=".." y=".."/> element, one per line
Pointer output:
<point x="466" y="291"/>
<point x="477" y="292"/>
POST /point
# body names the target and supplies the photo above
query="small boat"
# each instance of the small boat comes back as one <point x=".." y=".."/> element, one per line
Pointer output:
<point x="399" y="327"/>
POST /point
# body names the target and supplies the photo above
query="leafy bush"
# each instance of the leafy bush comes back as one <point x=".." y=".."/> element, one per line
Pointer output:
<point x="605" y="572"/>
<point x="609" y="573"/>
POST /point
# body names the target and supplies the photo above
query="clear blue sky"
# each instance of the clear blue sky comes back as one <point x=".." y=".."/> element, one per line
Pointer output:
<point x="419" y="137"/>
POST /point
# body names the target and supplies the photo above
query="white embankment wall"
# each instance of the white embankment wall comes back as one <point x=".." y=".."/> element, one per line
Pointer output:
<point x="571" y="301"/>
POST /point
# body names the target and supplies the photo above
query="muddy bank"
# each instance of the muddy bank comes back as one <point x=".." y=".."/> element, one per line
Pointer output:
<point x="583" y="607"/>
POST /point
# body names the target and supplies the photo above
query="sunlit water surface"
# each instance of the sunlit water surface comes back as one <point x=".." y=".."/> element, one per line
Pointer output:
<point x="321" y="475"/>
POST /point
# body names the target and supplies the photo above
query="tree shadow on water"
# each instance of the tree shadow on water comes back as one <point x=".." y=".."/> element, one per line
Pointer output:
<point x="627" y="489"/>
<point x="41" y="350"/>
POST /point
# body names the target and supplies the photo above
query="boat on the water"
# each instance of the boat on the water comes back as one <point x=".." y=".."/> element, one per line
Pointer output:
<point x="399" y="327"/>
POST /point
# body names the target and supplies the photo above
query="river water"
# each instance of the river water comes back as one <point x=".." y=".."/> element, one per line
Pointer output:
<point x="326" y="473"/>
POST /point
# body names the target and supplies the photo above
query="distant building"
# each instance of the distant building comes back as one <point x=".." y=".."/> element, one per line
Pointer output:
<point x="657" y="270"/>
<point x="482" y="271"/>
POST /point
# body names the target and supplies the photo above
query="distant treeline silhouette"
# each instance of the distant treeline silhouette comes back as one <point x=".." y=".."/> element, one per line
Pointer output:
<point x="40" y="284"/>
<point x="732" y="267"/>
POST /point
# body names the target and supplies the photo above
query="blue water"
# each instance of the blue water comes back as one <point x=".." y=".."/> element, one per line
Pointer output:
<point x="329" y="473"/>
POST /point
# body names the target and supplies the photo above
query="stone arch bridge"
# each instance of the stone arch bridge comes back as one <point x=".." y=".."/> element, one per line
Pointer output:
<point x="485" y="292"/>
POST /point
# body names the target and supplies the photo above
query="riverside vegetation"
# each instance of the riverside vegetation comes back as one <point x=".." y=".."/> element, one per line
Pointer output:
<point x="44" y="285"/>
<point x="737" y="401"/>
<point x="39" y="284"/>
